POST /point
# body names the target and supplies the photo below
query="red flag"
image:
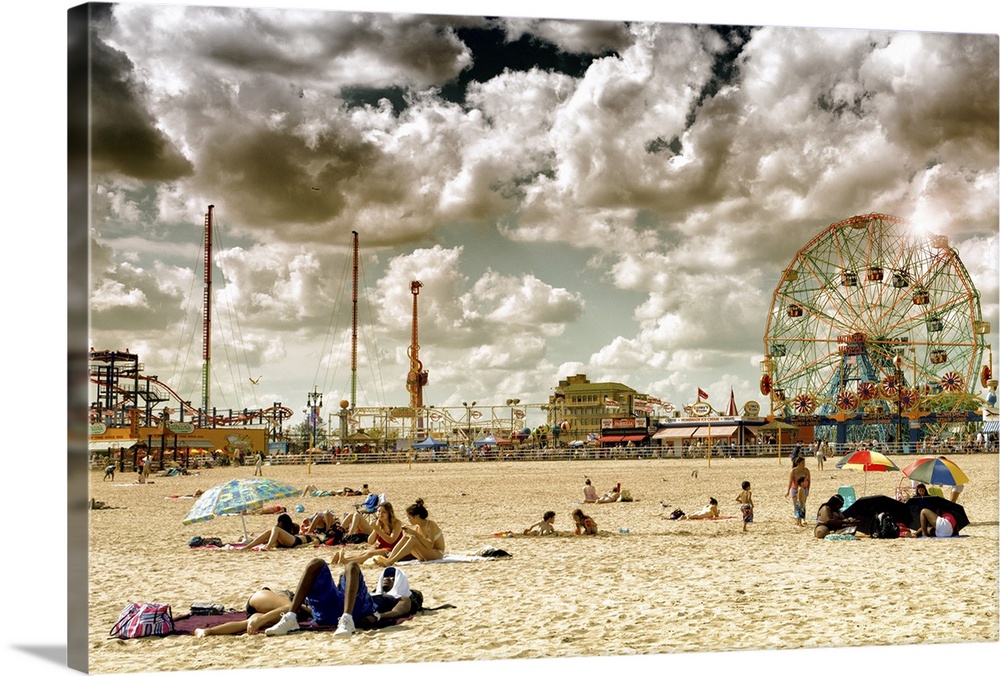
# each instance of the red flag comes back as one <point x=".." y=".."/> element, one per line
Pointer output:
<point x="702" y="394"/>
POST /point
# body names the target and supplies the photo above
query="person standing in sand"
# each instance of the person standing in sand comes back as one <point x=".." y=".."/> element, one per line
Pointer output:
<point x="800" y="503"/>
<point x="745" y="498"/>
<point x="799" y="470"/>
<point x="258" y="465"/>
<point x="147" y="467"/>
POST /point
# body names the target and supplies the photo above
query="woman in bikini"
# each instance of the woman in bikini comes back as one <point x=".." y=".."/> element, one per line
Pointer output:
<point x="385" y="533"/>
<point x="284" y="535"/>
<point x="829" y="519"/>
<point x="423" y="539"/>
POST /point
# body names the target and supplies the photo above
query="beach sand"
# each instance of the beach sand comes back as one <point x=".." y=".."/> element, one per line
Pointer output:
<point x="661" y="587"/>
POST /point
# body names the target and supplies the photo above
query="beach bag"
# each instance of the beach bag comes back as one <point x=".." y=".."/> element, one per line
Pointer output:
<point x="143" y="619"/>
<point x="676" y="514"/>
<point x="884" y="527"/>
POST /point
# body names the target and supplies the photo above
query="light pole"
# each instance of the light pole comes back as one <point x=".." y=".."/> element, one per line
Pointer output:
<point x="468" y="418"/>
<point x="898" y="363"/>
<point x="315" y="403"/>
<point x="512" y="403"/>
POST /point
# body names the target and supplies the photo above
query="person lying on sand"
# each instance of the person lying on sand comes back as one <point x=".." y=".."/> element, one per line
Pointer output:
<point x="612" y="495"/>
<point x="348" y="604"/>
<point x="284" y="535"/>
<point x="543" y="527"/>
<point x="264" y="609"/>
<point x="709" y="511"/>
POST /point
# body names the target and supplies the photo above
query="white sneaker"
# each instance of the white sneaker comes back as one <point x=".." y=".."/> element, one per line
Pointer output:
<point x="345" y="627"/>
<point x="286" y="624"/>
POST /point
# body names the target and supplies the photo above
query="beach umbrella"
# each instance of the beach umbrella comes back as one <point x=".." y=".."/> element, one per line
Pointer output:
<point x="934" y="503"/>
<point x="238" y="497"/>
<point x="935" y="472"/>
<point x="865" y="508"/>
<point x="867" y="461"/>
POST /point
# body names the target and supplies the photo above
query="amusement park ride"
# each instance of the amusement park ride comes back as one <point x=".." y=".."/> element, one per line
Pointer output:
<point x="874" y="331"/>
<point x="123" y="412"/>
<point x="876" y="327"/>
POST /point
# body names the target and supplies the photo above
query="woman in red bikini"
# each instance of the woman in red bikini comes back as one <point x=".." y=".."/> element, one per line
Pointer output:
<point x="384" y="533"/>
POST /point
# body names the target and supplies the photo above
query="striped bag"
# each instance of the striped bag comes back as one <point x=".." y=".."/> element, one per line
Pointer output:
<point x="143" y="619"/>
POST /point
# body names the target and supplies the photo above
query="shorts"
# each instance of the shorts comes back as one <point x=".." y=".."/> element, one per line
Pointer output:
<point x="327" y="599"/>
<point x="747" y="512"/>
<point x="800" y="510"/>
<point x="942" y="528"/>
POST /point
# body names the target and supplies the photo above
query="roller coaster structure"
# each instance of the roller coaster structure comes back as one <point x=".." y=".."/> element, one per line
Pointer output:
<point x="124" y="392"/>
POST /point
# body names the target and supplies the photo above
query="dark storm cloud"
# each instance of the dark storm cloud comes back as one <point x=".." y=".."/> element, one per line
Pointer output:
<point x="288" y="180"/>
<point x="124" y="136"/>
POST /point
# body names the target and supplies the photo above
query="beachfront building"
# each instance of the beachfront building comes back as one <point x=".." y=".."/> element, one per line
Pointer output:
<point x="581" y="409"/>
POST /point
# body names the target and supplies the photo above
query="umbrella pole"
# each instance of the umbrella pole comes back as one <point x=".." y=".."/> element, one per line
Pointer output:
<point x="246" y="538"/>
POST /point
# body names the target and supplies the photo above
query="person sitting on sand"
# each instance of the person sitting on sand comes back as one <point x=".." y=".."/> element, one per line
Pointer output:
<point x="423" y="539"/>
<point x="543" y="527"/>
<point x="348" y="604"/>
<point x="709" y="511"/>
<point x="584" y="524"/>
<point x="935" y="523"/>
<point x="829" y="519"/>
<point x="284" y="535"/>
<point x="385" y="533"/>
<point x="264" y="608"/>
<point x="589" y="492"/>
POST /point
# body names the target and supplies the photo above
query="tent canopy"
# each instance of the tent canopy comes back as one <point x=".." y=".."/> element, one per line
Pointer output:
<point x="488" y="440"/>
<point x="430" y="442"/>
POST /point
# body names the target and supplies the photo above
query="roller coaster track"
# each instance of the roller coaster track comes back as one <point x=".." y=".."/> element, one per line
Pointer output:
<point x="159" y="392"/>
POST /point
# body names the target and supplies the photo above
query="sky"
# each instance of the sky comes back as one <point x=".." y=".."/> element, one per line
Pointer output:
<point x="35" y="76"/>
<point x="611" y="198"/>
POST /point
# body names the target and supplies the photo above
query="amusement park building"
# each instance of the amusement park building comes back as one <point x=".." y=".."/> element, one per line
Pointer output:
<point x="582" y="409"/>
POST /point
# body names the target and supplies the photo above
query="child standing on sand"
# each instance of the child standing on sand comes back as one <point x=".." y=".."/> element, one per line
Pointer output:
<point x="800" y="502"/>
<point x="745" y="498"/>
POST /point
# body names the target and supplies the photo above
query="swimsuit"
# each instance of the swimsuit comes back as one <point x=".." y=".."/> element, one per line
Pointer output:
<point x="384" y="544"/>
<point x="747" y="509"/>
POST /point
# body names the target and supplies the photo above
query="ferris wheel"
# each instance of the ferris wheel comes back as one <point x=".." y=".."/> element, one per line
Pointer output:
<point x="872" y="314"/>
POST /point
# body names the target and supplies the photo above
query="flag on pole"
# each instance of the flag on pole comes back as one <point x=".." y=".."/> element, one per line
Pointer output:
<point x="702" y="394"/>
<point x="731" y="410"/>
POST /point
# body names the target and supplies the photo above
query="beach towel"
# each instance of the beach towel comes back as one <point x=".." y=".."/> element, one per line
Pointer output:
<point x="459" y="558"/>
<point x="185" y="626"/>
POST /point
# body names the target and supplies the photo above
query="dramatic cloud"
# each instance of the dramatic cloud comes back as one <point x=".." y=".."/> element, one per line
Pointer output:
<point x="610" y="198"/>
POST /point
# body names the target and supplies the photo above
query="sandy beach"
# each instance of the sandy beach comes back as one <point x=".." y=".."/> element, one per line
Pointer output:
<point x="644" y="585"/>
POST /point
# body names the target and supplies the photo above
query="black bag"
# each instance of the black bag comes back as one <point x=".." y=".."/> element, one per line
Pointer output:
<point x="884" y="528"/>
<point x="676" y="514"/>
